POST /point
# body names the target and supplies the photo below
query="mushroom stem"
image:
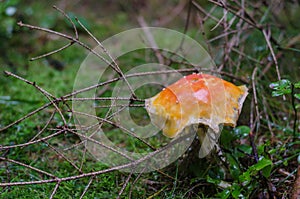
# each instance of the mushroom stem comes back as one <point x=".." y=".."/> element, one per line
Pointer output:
<point x="208" y="140"/>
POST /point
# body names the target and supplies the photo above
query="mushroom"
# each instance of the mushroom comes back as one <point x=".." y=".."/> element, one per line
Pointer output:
<point x="196" y="99"/>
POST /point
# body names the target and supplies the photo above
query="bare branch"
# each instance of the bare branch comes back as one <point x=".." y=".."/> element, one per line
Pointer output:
<point x="52" y="52"/>
<point x="125" y="185"/>
<point x="45" y="93"/>
<point x="26" y="116"/>
<point x="32" y="142"/>
<point x="150" y="39"/>
<point x="118" y="126"/>
<point x="28" y="166"/>
<point x="29" y="82"/>
<point x="87" y="187"/>
<point x="63" y="156"/>
<point x="54" y="190"/>
<point x="255" y="95"/>
<point x="95" y="173"/>
<point x="101" y="144"/>
<point x="69" y="19"/>
<point x="115" y="67"/>
<point x="44" y="128"/>
<point x="272" y="53"/>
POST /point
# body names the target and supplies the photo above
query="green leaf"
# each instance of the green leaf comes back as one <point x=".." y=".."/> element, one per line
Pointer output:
<point x="267" y="171"/>
<point x="262" y="163"/>
<point x="281" y="87"/>
<point x="281" y="92"/>
<point x="280" y="84"/>
<point x="236" y="193"/>
<point x="241" y="131"/>
<point x="245" y="148"/>
<point x="212" y="180"/>
<point x="227" y="137"/>
<point x="245" y="178"/>
<point x="224" y="194"/>
<point x="297" y="85"/>
<point x="234" y="168"/>
<point x="261" y="149"/>
<point x="297" y="96"/>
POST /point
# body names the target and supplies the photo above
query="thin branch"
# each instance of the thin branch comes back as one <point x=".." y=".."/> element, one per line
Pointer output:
<point x="44" y="128"/>
<point x="30" y="83"/>
<point x="190" y="70"/>
<point x="272" y="53"/>
<point x="69" y="38"/>
<point x="125" y="184"/>
<point x="135" y="180"/>
<point x="54" y="190"/>
<point x="118" y="126"/>
<point x="95" y="173"/>
<point x="32" y="142"/>
<point x="227" y="7"/>
<point x="265" y="106"/>
<point x="26" y="116"/>
<point x="87" y="187"/>
<point x="150" y="39"/>
<point x="63" y="156"/>
<point x="219" y="36"/>
<point x="21" y="24"/>
<point x="92" y="126"/>
<point x="28" y="166"/>
<point x="220" y="21"/>
<point x="104" y="99"/>
<point x="198" y="7"/>
<point x="116" y="68"/>
<point x="186" y="25"/>
<point x="124" y="166"/>
<point x="69" y="19"/>
<point x="52" y="52"/>
<point x="245" y="17"/>
<point x="45" y="93"/>
<point x="101" y="144"/>
<point x="247" y="56"/>
<point x="120" y="105"/>
<point x="201" y="24"/>
<point x="255" y="93"/>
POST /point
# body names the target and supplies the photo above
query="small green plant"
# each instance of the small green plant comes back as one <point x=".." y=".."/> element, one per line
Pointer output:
<point x="244" y="174"/>
<point x="286" y="87"/>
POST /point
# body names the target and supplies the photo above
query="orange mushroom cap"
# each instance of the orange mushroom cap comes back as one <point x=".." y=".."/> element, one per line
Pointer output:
<point x="195" y="99"/>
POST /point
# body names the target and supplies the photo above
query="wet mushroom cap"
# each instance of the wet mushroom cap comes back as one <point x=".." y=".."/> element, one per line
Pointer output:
<point x="196" y="99"/>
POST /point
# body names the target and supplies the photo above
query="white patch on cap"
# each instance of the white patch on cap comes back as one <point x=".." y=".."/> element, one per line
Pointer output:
<point x="201" y="95"/>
